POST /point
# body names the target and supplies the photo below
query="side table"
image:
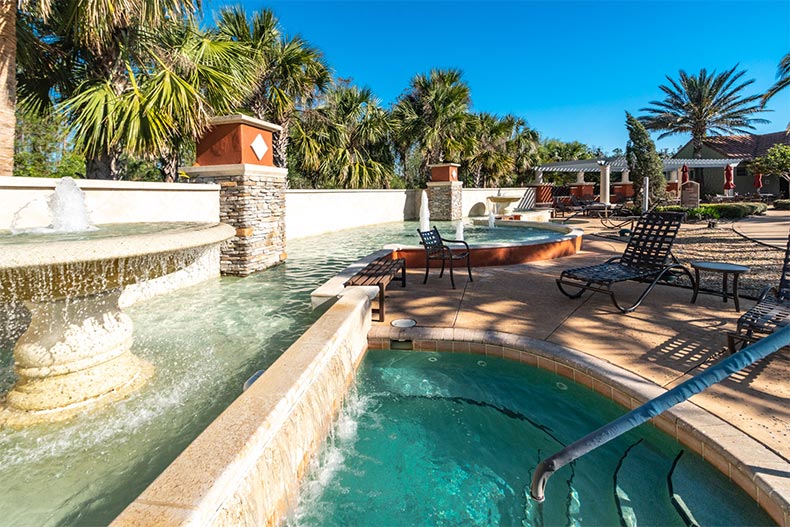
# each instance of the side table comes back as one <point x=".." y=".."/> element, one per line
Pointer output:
<point x="725" y="269"/>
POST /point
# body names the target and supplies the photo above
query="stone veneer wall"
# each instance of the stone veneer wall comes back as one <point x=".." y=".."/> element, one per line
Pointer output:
<point x="252" y="201"/>
<point x="244" y="468"/>
<point x="444" y="200"/>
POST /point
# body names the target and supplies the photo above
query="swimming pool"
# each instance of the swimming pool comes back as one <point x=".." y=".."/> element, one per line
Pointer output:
<point x="452" y="439"/>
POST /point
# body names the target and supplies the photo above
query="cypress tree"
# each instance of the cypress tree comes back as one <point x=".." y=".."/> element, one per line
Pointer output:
<point x="643" y="160"/>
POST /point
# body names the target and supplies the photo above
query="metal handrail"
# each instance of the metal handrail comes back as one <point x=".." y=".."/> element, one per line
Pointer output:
<point x="733" y="364"/>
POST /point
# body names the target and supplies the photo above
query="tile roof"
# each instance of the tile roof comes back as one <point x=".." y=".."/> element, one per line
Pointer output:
<point x="746" y="145"/>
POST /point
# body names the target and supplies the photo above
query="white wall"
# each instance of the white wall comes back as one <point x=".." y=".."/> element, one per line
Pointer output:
<point x="310" y="212"/>
<point x="111" y="201"/>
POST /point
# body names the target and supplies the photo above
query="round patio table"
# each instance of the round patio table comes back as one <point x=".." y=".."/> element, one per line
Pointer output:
<point x="725" y="269"/>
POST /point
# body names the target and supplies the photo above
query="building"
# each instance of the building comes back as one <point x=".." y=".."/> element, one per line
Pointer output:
<point x="740" y="149"/>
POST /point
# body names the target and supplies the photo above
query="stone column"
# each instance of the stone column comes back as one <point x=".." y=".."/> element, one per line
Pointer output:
<point x="236" y="153"/>
<point x="539" y="176"/>
<point x="580" y="177"/>
<point x="445" y="192"/>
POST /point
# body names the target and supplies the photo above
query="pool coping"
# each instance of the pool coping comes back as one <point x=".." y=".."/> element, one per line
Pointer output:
<point x="761" y="473"/>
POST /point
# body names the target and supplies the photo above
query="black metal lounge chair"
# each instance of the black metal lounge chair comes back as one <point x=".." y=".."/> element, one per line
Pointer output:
<point x="436" y="248"/>
<point x="771" y="312"/>
<point x="647" y="258"/>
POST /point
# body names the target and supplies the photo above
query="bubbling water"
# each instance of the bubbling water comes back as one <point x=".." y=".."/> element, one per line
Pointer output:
<point x="69" y="212"/>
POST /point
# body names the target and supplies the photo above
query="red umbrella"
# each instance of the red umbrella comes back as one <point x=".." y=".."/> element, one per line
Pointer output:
<point x="758" y="181"/>
<point x="728" y="184"/>
<point x="684" y="174"/>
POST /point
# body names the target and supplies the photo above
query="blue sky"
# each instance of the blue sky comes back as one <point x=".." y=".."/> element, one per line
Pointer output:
<point x="570" y="68"/>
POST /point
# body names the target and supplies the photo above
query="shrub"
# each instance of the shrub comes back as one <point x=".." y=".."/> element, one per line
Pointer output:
<point x="703" y="213"/>
<point x="782" y="204"/>
<point x="733" y="211"/>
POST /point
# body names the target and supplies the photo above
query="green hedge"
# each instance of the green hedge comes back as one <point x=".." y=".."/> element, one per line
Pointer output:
<point x="730" y="211"/>
<point x="782" y="204"/>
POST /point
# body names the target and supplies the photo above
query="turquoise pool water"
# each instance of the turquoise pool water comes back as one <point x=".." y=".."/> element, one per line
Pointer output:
<point x="452" y="439"/>
<point x="204" y="342"/>
<point x="406" y="233"/>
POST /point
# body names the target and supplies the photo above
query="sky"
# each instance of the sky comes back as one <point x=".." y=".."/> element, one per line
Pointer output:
<point x="570" y="68"/>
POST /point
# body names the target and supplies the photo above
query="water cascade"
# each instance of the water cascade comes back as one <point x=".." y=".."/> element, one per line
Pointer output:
<point x="425" y="213"/>
<point x="459" y="231"/>
<point x="75" y="354"/>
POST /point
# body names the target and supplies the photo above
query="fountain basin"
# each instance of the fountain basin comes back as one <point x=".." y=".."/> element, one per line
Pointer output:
<point x="75" y="354"/>
<point x="43" y="266"/>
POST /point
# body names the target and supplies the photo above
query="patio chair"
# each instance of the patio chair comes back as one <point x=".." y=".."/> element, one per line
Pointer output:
<point x="562" y="205"/>
<point x="771" y="312"/>
<point x="436" y="248"/>
<point x="647" y="258"/>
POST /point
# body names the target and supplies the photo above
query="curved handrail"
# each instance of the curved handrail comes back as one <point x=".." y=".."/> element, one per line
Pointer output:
<point x="733" y="364"/>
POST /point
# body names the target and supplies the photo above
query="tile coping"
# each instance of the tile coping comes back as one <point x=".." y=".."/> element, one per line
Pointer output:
<point x="759" y="471"/>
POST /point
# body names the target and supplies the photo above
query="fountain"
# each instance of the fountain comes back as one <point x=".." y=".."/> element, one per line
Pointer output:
<point x="75" y="354"/>
<point x="459" y="231"/>
<point x="491" y="220"/>
<point x="425" y="213"/>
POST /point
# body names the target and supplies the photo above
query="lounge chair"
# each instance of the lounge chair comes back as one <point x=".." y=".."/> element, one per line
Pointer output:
<point x="562" y="205"/>
<point x="647" y="258"/>
<point x="436" y="248"/>
<point x="771" y="312"/>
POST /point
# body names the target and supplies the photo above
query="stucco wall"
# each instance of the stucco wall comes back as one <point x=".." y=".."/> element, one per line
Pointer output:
<point x="110" y="201"/>
<point x="311" y="212"/>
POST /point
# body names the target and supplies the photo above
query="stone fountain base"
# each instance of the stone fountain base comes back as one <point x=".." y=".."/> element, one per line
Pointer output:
<point x="75" y="355"/>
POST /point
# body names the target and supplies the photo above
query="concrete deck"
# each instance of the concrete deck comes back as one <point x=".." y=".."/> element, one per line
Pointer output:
<point x="666" y="340"/>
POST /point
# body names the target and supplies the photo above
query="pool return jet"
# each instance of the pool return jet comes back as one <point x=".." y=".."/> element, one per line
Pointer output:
<point x="733" y="364"/>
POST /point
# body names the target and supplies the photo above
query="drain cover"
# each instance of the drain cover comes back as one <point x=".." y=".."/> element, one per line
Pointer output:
<point x="404" y="323"/>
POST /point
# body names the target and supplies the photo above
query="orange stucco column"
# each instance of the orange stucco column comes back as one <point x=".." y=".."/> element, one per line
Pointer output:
<point x="236" y="153"/>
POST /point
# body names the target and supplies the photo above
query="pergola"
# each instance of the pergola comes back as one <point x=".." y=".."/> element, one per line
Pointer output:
<point x="605" y="166"/>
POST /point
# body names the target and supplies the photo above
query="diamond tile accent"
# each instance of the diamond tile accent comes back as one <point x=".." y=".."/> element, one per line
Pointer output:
<point x="259" y="147"/>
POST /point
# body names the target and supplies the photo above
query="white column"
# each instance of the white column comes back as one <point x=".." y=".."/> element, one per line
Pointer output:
<point x="580" y="176"/>
<point x="673" y="176"/>
<point x="539" y="176"/>
<point x="605" y="179"/>
<point x="626" y="176"/>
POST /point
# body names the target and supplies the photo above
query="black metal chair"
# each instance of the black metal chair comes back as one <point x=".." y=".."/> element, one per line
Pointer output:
<point x="647" y="258"/>
<point x="436" y="248"/>
<point x="771" y="312"/>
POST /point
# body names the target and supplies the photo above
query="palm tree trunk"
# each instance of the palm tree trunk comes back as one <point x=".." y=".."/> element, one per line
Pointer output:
<point x="103" y="166"/>
<point x="7" y="85"/>
<point x="280" y="146"/>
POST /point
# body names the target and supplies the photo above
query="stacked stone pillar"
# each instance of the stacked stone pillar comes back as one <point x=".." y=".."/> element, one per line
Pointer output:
<point x="445" y="193"/>
<point x="236" y="153"/>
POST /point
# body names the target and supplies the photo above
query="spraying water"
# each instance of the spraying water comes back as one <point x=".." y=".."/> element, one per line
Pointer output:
<point x="425" y="213"/>
<point x="459" y="231"/>
<point x="491" y="220"/>
<point x="67" y="204"/>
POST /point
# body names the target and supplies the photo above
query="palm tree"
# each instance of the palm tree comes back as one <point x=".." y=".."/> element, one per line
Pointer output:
<point x="97" y="45"/>
<point x="343" y="142"/>
<point x="433" y="115"/>
<point x="487" y="160"/>
<point x="144" y="93"/>
<point x="523" y="147"/>
<point x="782" y="81"/>
<point x="291" y="71"/>
<point x="704" y="104"/>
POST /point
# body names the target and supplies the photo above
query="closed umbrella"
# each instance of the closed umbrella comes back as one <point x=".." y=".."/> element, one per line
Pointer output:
<point x="758" y="181"/>
<point x="728" y="184"/>
<point x="684" y="174"/>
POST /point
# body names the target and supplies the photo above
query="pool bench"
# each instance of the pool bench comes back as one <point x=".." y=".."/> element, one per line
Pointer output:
<point x="380" y="272"/>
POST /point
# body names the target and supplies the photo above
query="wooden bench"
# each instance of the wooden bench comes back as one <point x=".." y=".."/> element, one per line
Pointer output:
<point x="380" y="272"/>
